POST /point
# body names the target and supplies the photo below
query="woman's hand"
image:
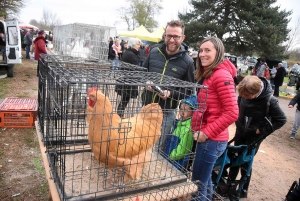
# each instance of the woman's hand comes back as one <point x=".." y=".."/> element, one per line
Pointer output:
<point x="200" y="136"/>
<point x="291" y="106"/>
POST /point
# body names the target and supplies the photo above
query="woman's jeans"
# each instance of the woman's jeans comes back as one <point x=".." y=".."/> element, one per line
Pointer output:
<point x="206" y="155"/>
<point x="116" y="64"/>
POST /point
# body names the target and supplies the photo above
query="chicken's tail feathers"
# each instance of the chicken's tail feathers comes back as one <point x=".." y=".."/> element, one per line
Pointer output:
<point x="151" y="108"/>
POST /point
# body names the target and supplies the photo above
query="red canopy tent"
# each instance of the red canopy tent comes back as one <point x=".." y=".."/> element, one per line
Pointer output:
<point x="27" y="26"/>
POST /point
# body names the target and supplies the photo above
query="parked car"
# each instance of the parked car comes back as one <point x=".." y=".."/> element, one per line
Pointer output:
<point x="242" y="68"/>
<point x="233" y="60"/>
<point x="251" y="63"/>
<point x="10" y="45"/>
<point x="294" y="77"/>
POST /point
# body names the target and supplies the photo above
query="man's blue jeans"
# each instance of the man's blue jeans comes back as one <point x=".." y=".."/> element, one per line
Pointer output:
<point x="168" y="121"/>
<point x="206" y="155"/>
<point x="141" y="63"/>
<point x="27" y="51"/>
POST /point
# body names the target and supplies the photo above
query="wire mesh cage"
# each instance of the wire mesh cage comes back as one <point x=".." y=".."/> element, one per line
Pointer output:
<point x="82" y="40"/>
<point x="102" y="146"/>
<point x="68" y="62"/>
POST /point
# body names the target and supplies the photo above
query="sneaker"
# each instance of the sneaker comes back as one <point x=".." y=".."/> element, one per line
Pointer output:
<point x="292" y="137"/>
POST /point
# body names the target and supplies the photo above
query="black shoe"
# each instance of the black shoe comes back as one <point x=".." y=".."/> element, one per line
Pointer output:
<point x="244" y="194"/>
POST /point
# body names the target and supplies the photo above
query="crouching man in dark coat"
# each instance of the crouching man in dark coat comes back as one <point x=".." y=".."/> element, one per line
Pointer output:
<point x="257" y="106"/>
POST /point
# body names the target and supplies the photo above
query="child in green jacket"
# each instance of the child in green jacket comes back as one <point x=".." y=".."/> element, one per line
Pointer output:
<point x="180" y="142"/>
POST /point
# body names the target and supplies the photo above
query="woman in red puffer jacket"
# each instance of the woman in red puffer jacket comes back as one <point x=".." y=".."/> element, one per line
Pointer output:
<point x="210" y="127"/>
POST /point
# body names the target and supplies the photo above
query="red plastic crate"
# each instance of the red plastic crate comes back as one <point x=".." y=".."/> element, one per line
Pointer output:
<point x="18" y="112"/>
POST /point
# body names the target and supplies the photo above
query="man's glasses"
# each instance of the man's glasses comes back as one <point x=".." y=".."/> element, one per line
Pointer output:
<point x="175" y="37"/>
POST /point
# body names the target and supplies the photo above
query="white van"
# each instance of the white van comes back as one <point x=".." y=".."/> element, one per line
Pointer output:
<point x="10" y="45"/>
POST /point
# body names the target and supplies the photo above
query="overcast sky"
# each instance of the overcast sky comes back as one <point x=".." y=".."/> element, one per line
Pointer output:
<point x="98" y="12"/>
<point x="101" y="12"/>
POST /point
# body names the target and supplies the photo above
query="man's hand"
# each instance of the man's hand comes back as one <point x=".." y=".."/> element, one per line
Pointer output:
<point x="149" y="88"/>
<point x="167" y="94"/>
<point x="291" y="106"/>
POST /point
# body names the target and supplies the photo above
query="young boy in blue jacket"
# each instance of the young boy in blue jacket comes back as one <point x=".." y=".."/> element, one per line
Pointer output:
<point x="180" y="142"/>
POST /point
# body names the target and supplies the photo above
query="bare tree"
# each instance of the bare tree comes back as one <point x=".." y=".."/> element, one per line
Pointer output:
<point x="34" y="22"/>
<point x="126" y="16"/>
<point x="140" y="12"/>
<point x="294" y="37"/>
<point x="49" y="20"/>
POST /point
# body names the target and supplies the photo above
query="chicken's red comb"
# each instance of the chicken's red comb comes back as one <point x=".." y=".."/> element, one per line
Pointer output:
<point x="92" y="90"/>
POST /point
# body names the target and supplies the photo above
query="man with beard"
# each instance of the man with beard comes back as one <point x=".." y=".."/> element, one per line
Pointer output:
<point x="170" y="59"/>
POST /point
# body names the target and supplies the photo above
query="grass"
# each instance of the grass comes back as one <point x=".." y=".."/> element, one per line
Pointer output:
<point x="22" y="96"/>
<point x="1" y="153"/>
<point x="3" y="88"/>
<point x="44" y="188"/>
<point x="292" y="145"/>
<point x="29" y="138"/>
<point x="30" y="142"/>
<point x="37" y="165"/>
<point x="281" y="93"/>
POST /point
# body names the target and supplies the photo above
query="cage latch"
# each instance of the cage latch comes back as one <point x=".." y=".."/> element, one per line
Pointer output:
<point x="123" y="129"/>
<point x="56" y="115"/>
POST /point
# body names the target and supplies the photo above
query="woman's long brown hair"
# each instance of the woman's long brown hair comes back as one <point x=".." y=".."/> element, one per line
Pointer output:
<point x="218" y="44"/>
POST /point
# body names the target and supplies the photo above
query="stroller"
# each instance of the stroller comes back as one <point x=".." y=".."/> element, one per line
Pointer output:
<point x="294" y="192"/>
<point x="234" y="156"/>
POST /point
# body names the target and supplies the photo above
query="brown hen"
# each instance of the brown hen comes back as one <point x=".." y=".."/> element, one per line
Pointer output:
<point x="122" y="142"/>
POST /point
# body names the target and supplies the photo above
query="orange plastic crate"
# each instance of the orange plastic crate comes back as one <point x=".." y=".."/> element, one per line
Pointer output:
<point x="18" y="112"/>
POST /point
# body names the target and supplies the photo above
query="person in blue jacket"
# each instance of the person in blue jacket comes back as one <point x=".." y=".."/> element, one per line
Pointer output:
<point x="180" y="142"/>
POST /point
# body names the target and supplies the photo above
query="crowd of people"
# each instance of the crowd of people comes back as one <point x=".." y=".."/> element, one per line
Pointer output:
<point x="200" y="128"/>
<point x="27" y="40"/>
<point x="206" y="132"/>
<point x="116" y="48"/>
<point x="35" y="43"/>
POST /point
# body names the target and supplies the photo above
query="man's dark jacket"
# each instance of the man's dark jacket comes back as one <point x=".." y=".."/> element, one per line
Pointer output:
<point x="179" y="66"/>
<point x="279" y="77"/>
